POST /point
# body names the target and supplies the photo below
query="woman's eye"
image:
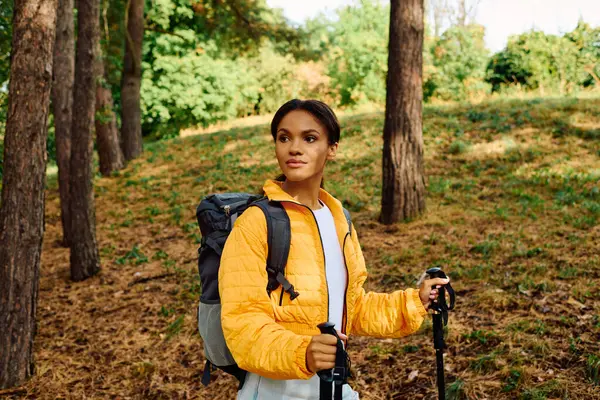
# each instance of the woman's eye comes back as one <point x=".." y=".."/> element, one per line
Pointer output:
<point x="283" y="139"/>
<point x="311" y="139"/>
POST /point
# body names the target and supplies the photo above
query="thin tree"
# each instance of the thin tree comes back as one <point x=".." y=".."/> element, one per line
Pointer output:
<point x="403" y="192"/>
<point x="107" y="133"/>
<point x="466" y="11"/>
<point x="440" y="12"/>
<point x="85" y="261"/>
<point x="131" y="120"/>
<point x="22" y="210"/>
<point x="62" y="103"/>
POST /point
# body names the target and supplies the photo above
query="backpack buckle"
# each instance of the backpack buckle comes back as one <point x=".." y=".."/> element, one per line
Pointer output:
<point x="287" y="286"/>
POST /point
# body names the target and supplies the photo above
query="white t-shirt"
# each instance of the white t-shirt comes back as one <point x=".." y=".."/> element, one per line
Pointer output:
<point x="335" y="268"/>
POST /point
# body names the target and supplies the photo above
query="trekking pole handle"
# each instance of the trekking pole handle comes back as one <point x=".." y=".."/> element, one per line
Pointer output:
<point x="436" y="272"/>
<point x="441" y="305"/>
<point x="327" y="328"/>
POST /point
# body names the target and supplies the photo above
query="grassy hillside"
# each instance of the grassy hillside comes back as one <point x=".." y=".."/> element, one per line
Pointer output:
<point x="513" y="213"/>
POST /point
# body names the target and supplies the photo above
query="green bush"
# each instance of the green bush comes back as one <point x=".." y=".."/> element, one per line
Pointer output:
<point x="535" y="60"/>
<point x="459" y="59"/>
<point x="193" y="89"/>
<point x="587" y="42"/>
<point x="357" y="57"/>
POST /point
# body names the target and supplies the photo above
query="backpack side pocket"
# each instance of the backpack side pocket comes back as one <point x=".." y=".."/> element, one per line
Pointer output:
<point x="209" y="325"/>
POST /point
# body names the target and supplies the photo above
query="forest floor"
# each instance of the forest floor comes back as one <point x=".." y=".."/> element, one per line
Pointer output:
<point x="513" y="214"/>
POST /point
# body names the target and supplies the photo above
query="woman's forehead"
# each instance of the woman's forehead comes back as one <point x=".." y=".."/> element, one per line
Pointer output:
<point x="297" y="121"/>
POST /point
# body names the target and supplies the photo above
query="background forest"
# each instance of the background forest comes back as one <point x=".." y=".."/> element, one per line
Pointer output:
<point x="98" y="249"/>
<point x="203" y="64"/>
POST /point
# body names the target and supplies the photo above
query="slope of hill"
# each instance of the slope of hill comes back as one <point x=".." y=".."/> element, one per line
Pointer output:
<point x="513" y="213"/>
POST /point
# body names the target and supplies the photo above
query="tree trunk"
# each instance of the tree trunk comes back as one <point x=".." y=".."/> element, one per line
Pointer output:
<point x="131" y="119"/>
<point x="62" y="102"/>
<point x="403" y="194"/>
<point x="107" y="134"/>
<point x="462" y="13"/>
<point x="22" y="211"/>
<point x="84" y="252"/>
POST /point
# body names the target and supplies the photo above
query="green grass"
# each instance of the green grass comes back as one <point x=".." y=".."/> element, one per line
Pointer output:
<point x="513" y="204"/>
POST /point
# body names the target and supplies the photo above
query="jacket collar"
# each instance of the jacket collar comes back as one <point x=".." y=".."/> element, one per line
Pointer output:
<point x="274" y="191"/>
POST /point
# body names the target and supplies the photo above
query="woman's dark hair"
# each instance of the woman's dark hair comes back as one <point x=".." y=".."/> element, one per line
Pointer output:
<point x="318" y="109"/>
<point x="321" y="111"/>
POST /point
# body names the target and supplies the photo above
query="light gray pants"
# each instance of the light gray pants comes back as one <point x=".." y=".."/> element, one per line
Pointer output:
<point x="257" y="387"/>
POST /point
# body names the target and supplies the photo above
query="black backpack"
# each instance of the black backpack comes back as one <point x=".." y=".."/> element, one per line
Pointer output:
<point x="216" y="215"/>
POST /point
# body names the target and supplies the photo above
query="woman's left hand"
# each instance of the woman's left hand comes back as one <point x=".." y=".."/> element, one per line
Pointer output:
<point x="427" y="293"/>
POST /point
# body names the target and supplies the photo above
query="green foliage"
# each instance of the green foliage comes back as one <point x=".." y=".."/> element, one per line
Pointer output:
<point x="6" y="13"/>
<point x="175" y="327"/>
<point x="192" y="89"/>
<point x="534" y="60"/>
<point x="459" y="59"/>
<point x="209" y="61"/>
<point x="357" y="56"/>
<point x="456" y="390"/>
<point x="134" y="255"/>
<point x="550" y="389"/>
<point x="513" y="380"/>
<point x="587" y="41"/>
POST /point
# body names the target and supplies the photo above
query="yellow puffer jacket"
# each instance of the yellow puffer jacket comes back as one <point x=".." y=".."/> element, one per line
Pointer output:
<point x="271" y="339"/>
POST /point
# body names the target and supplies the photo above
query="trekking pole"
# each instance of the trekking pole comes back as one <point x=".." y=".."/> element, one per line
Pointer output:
<point x="338" y="375"/>
<point x="440" y="319"/>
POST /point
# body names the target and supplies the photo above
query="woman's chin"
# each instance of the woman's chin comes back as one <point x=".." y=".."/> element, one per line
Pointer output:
<point x="295" y="175"/>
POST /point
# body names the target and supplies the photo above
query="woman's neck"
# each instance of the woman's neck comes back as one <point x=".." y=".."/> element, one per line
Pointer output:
<point x="305" y="192"/>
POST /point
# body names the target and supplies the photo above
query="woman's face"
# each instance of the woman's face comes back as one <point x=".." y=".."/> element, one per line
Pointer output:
<point x="302" y="147"/>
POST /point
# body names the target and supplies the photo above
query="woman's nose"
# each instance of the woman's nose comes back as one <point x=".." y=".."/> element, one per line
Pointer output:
<point x="295" y="147"/>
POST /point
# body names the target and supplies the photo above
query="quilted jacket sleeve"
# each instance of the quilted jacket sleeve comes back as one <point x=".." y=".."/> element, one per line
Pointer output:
<point x="386" y="315"/>
<point x="256" y="341"/>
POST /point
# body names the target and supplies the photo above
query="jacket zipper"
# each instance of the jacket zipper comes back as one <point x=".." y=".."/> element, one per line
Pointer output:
<point x="322" y="251"/>
<point x="345" y="316"/>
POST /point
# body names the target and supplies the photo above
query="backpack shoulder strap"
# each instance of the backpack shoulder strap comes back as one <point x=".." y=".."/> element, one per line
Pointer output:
<point x="349" y="220"/>
<point x="278" y="240"/>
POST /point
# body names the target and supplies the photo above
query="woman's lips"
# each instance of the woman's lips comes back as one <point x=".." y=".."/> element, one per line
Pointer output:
<point x="295" y="164"/>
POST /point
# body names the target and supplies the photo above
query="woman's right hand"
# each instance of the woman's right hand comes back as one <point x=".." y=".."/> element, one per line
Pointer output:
<point x="320" y="353"/>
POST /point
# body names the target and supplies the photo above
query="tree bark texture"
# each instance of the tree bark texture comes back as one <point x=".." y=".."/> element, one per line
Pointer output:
<point x="403" y="194"/>
<point x="107" y="133"/>
<point x="62" y="103"/>
<point x="85" y="261"/>
<point x="131" y="119"/>
<point x="22" y="209"/>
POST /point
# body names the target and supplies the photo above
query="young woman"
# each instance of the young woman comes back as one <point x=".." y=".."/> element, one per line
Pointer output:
<point x="274" y="338"/>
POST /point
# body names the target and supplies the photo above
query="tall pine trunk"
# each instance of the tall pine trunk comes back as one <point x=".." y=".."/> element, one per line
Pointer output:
<point x="85" y="261"/>
<point x="62" y="102"/>
<point x="403" y="193"/>
<point x="107" y="134"/>
<point x="22" y="208"/>
<point x="131" y="120"/>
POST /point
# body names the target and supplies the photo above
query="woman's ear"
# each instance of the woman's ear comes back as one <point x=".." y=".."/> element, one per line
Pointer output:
<point x="332" y="151"/>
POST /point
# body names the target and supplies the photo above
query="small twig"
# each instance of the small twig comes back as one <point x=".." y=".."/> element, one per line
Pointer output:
<point x="15" y="390"/>
<point x="104" y="16"/>
<point x="255" y="35"/>
<point x="590" y="70"/>
<point x="115" y="309"/>
<point x="150" y="278"/>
